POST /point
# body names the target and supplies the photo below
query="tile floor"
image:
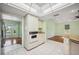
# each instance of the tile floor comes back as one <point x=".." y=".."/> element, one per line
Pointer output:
<point x="49" y="48"/>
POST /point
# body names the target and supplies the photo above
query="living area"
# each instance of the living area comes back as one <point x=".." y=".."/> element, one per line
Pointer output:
<point x="41" y="28"/>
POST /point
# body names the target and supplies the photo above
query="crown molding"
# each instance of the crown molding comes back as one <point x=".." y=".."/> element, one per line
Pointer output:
<point x="25" y="8"/>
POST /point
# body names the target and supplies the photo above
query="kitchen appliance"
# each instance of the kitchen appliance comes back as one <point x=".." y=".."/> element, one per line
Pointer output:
<point x="33" y="36"/>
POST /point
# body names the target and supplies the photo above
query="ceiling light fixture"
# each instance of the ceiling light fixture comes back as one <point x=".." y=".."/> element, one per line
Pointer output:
<point x="72" y="10"/>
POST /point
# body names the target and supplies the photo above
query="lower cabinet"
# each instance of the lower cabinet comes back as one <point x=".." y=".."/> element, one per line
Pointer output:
<point x="33" y="44"/>
<point x="41" y="37"/>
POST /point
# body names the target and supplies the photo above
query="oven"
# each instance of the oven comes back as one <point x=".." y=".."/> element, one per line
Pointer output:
<point x="33" y="36"/>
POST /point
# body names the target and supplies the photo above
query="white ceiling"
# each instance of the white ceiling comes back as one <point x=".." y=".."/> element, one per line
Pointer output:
<point x="11" y="10"/>
<point x="40" y="6"/>
<point x="38" y="9"/>
<point x="43" y="10"/>
<point x="65" y="14"/>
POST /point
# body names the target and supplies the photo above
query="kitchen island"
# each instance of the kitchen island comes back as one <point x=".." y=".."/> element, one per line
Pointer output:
<point x="67" y="42"/>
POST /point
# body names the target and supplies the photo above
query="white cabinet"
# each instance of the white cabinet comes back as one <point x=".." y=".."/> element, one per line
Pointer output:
<point x="32" y="23"/>
<point x="36" y="41"/>
<point x="41" y="37"/>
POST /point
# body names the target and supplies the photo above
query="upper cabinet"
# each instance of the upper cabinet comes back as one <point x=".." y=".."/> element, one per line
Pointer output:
<point x="32" y="23"/>
<point x="42" y="26"/>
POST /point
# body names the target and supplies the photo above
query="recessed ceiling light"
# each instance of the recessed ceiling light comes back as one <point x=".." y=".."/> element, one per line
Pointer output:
<point x="72" y="10"/>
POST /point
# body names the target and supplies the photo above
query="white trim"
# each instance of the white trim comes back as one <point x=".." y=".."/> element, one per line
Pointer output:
<point x="25" y="8"/>
<point x="6" y="16"/>
<point x="57" y="7"/>
<point x="66" y="21"/>
<point x="23" y="31"/>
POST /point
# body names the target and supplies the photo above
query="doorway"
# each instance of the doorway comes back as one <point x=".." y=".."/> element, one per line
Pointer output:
<point x="12" y="33"/>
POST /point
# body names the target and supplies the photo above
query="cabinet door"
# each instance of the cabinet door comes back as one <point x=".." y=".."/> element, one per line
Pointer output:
<point x="32" y="23"/>
<point x="41" y="37"/>
<point x="35" y="24"/>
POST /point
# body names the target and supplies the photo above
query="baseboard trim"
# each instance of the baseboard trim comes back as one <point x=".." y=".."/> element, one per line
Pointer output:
<point x="34" y="47"/>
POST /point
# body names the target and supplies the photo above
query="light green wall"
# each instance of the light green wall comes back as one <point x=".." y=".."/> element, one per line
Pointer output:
<point x="50" y="28"/>
<point x="16" y="26"/>
<point x="59" y="29"/>
<point x="74" y="27"/>
<point x="53" y="28"/>
<point x="20" y="29"/>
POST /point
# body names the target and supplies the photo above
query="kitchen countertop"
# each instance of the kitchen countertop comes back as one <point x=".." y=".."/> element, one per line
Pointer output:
<point x="41" y="32"/>
<point x="72" y="37"/>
